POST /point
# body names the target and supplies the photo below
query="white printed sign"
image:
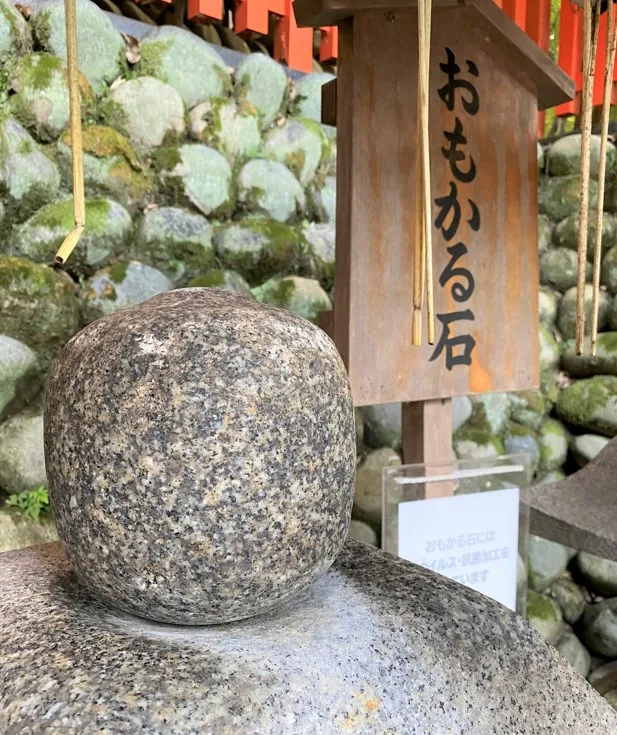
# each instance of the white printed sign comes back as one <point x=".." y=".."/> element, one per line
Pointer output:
<point x="472" y="539"/>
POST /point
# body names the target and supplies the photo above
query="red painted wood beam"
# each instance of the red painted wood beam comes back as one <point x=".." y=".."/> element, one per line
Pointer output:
<point x="517" y="10"/>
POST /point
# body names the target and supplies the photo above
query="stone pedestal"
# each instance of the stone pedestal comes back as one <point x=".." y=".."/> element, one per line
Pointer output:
<point x="377" y="645"/>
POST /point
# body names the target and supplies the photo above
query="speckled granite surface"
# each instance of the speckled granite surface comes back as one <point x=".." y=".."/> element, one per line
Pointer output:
<point x="375" y="646"/>
<point x="200" y="455"/>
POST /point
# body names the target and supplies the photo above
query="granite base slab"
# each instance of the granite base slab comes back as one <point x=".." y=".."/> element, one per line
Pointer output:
<point x="377" y="645"/>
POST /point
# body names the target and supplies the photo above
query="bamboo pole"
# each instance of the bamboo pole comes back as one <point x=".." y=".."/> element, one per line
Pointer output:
<point x="591" y="23"/>
<point x="423" y="261"/>
<point x="609" y="68"/>
<point x="79" y="202"/>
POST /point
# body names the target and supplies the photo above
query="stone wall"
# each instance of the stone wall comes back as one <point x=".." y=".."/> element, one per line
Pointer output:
<point x="197" y="176"/>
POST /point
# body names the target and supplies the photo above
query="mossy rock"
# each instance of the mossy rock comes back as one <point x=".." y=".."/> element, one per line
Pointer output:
<point x="549" y="349"/>
<point x="598" y="574"/>
<point x="120" y="286"/>
<point x="322" y="200"/>
<point x="547" y="562"/>
<point x="302" y="296"/>
<point x="18" y="531"/>
<point x="100" y="46"/>
<point x="22" y="460"/>
<point x="111" y="166"/>
<point x="612" y="314"/>
<point x="229" y="128"/>
<point x="321" y="238"/>
<point x="545" y="233"/>
<point x="20" y="375"/>
<point x="472" y="443"/>
<point x="575" y="653"/>
<point x="528" y="407"/>
<point x="599" y="628"/>
<point x="553" y="439"/>
<point x="382" y="425"/>
<point x="28" y="177"/>
<point x="566" y="318"/>
<point x="586" y="447"/>
<point x="363" y="532"/>
<point x="490" y="412"/>
<point x="570" y="598"/>
<point x="186" y="62"/>
<point x="559" y="268"/>
<point x="165" y="111"/>
<point x="544" y="614"/>
<point x="15" y="35"/>
<point x="41" y="99"/>
<point x="270" y="188"/>
<point x="176" y="242"/>
<point x="38" y="306"/>
<point x="223" y="280"/>
<point x="263" y="84"/>
<point x="368" y="492"/>
<point x="196" y="175"/>
<point x="522" y="439"/>
<point x="548" y="478"/>
<point x="564" y="156"/>
<point x="301" y="145"/>
<point x="603" y="363"/>
<point x="608" y="274"/>
<point x="108" y="226"/>
<point x="566" y="233"/>
<point x="260" y="248"/>
<point x="591" y="404"/>
<point x="547" y="306"/>
<point x="559" y="196"/>
<point x="307" y="99"/>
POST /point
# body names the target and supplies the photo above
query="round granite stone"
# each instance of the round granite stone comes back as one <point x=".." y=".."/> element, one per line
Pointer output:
<point x="200" y="452"/>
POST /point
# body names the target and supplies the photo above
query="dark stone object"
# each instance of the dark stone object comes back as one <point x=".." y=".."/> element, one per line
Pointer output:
<point x="580" y="511"/>
<point x="375" y="646"/>
<point x="200" y="452"/>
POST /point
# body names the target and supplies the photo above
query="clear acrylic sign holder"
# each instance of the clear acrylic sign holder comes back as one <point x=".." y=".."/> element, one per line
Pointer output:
<point x="466" y="519"/>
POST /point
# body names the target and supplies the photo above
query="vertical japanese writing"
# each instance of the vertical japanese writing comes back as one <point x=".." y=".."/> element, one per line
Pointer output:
<point x="457" y="90"/>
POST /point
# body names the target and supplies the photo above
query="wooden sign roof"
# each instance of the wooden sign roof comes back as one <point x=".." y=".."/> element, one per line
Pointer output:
<point x="512" y="44"/>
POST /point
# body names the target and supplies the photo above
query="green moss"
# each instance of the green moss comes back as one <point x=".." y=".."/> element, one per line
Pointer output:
<point x="117" y="272"/>
<point x="211" y="279"/>
<point x="60" y="214"/>
<point x="531" y="399"/>
<point x="608" y="341"/>
<point x="25" y="147"/>
<point x="151" y="61"/>
<point x="481" y="437"/>
<point x="105" y="142"/>
<point x="541" y="607"/>
<point x="166" y="159"/>
<point x="111" y="113"/>
<point x="136" y="183"/>
<point x="37" y="70"/>
<point x="515" y="429"/>
<point x="13" y="269"/>
<point x="478" y="419"/>
<point x="281" y="293"/>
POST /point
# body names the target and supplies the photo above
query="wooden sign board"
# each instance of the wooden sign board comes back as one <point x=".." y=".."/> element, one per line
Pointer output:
<point x="483" y="112"/>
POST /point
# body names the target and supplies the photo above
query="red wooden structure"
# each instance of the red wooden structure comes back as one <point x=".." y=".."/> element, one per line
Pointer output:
<point x="294" y="45"/>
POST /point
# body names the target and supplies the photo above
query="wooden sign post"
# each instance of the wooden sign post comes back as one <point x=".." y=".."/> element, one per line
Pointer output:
<point x="487" y="82"/>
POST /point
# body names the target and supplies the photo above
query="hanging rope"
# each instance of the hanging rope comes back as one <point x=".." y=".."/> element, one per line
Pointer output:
<point x="423" y="251"/>
<point x="591" y="25"/>
<point x="609" y="68"/>
<point x="79" y="203"/>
